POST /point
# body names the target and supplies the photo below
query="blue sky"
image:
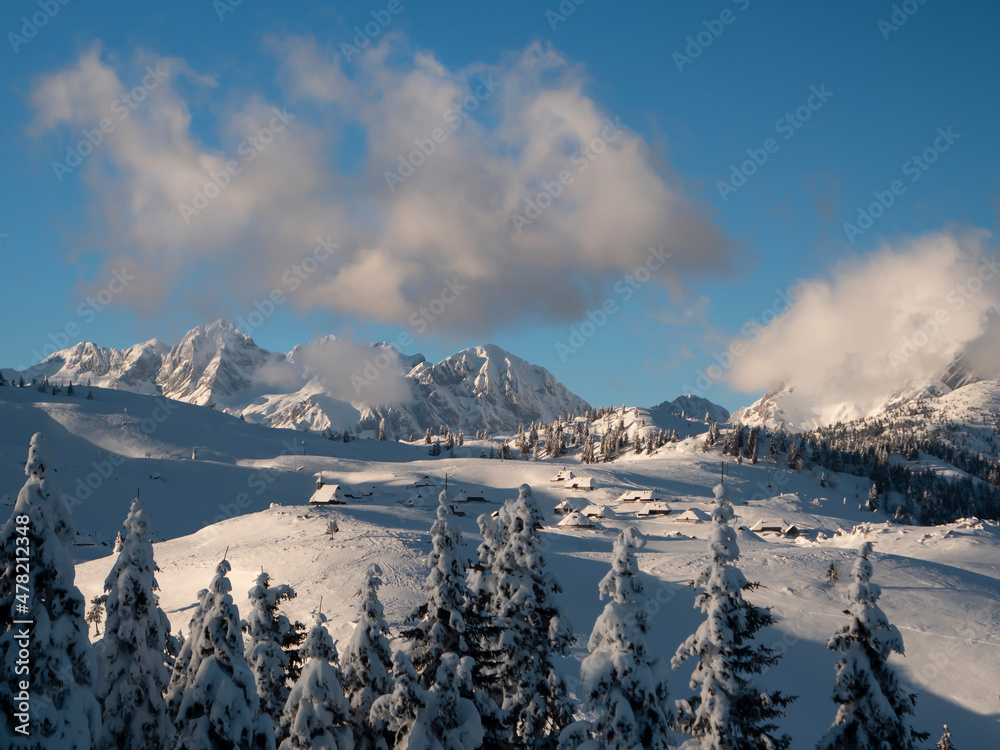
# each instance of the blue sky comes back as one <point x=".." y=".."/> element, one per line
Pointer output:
<point x="889" y="91"/>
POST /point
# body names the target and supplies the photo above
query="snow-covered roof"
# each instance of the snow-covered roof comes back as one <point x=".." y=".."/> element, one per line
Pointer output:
<point x="594" y="511"/>
<point x="570" y="504"/>
<point x="582" y="483"/>
<point x="692" y="515"/>
<point x="777" y="526"/>
<point x="576" y="521"/>
<point x="424" y="481"/>
<point x="563" y="476"/>
<point x="328" y="494"/>
<point x="639" y="496"/>
<point x="654" y="509"/>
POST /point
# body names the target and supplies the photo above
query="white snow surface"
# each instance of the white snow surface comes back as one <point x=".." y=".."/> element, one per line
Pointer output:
<point x="940" y="585"/>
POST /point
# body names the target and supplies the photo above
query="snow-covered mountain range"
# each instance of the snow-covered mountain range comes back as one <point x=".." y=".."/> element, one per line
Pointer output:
<point x="326" y="384"/>
<point x="791" y="409"/>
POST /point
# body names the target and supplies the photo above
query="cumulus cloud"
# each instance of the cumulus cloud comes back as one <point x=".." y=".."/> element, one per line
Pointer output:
<point x="339" y="369"/>
<point x="355" y="373"/>
<point x="894" y="320"/>
<point x="501" y="135"/>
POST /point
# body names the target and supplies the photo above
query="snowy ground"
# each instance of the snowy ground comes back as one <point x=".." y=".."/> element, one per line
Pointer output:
<point x="940" y="585"/>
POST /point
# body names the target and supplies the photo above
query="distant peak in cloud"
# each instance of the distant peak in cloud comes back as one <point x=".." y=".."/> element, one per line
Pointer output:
<point x="896" y="321"/>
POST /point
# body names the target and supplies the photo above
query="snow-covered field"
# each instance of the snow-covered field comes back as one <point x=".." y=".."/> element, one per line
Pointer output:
<point x="247" y="488"/>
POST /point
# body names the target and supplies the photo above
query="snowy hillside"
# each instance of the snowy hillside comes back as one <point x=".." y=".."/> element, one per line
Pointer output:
<point x="326" y="384"/>
<point x="210" y="481"/>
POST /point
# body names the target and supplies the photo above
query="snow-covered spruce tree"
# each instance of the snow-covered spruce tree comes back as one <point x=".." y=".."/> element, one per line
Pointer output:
<point x="317" y="715"/>
<point x="367" y="661"/>
<point x="440" y="626"/>
<point x="404" y="714"/>
<point x="533" y="630"/>
<point x="483" y="631"/>
<point x="436" y="719"/>
<point x="267" y="634"/>
<point x="730" y="712"/>
<point x="621" y="682"/>
<point x="36" y="585"/>
<point x="874" y="710"/>
<point x="211" y="697"/>
<point x="456" y="717"/>
<point x="132" y="671"/>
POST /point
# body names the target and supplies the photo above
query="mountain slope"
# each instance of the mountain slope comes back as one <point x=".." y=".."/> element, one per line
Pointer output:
<point x="316" y="386"/>
<point x="939" y="583"/>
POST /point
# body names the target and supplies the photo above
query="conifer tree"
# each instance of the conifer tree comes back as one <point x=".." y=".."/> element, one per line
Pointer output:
<point x="441" y="625"/>
<point x="317" y="715"/>
<point x="534" y="630"/>
<point x="37" y="587"/>
<point x="874" y="711"/>
<point x="622" y="683"/>
<point x="437" y="719"/>
<point x="132" y="669"/>
<point x="367" y="661"/>
<point x="483" y="632"/>
<point x="404" y="713"/>
<point x="268" y="633"/>
<point x="730" y="712"/>
<point x="211" y="697"/>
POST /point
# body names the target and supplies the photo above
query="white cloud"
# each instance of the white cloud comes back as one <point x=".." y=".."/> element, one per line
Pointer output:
<point x="451" y="218"/>
<point x="882" y="323"/>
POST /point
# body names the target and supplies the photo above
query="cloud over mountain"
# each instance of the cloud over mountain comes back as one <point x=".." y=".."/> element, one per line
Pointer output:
<point x="895" y="320"/>
<point x="416" y="172"/>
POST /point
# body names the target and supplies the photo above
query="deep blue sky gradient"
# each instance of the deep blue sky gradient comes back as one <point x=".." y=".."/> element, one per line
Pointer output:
<point x="890" y="96"/>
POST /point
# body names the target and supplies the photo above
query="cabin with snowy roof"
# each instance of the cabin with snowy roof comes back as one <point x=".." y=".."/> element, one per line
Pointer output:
<point x="571" y="505"/>
<point x="582" y="484"/>
<point x="563" y="476"/>
<point x="775" y="526"/>
<point x="424" y="481"/>
<point x="653" y="509"/>
<point x="691" y="515"/>
<point x="640" y="496"/>
<point x="327" y="494"/>
<point x="576" y="521"/>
